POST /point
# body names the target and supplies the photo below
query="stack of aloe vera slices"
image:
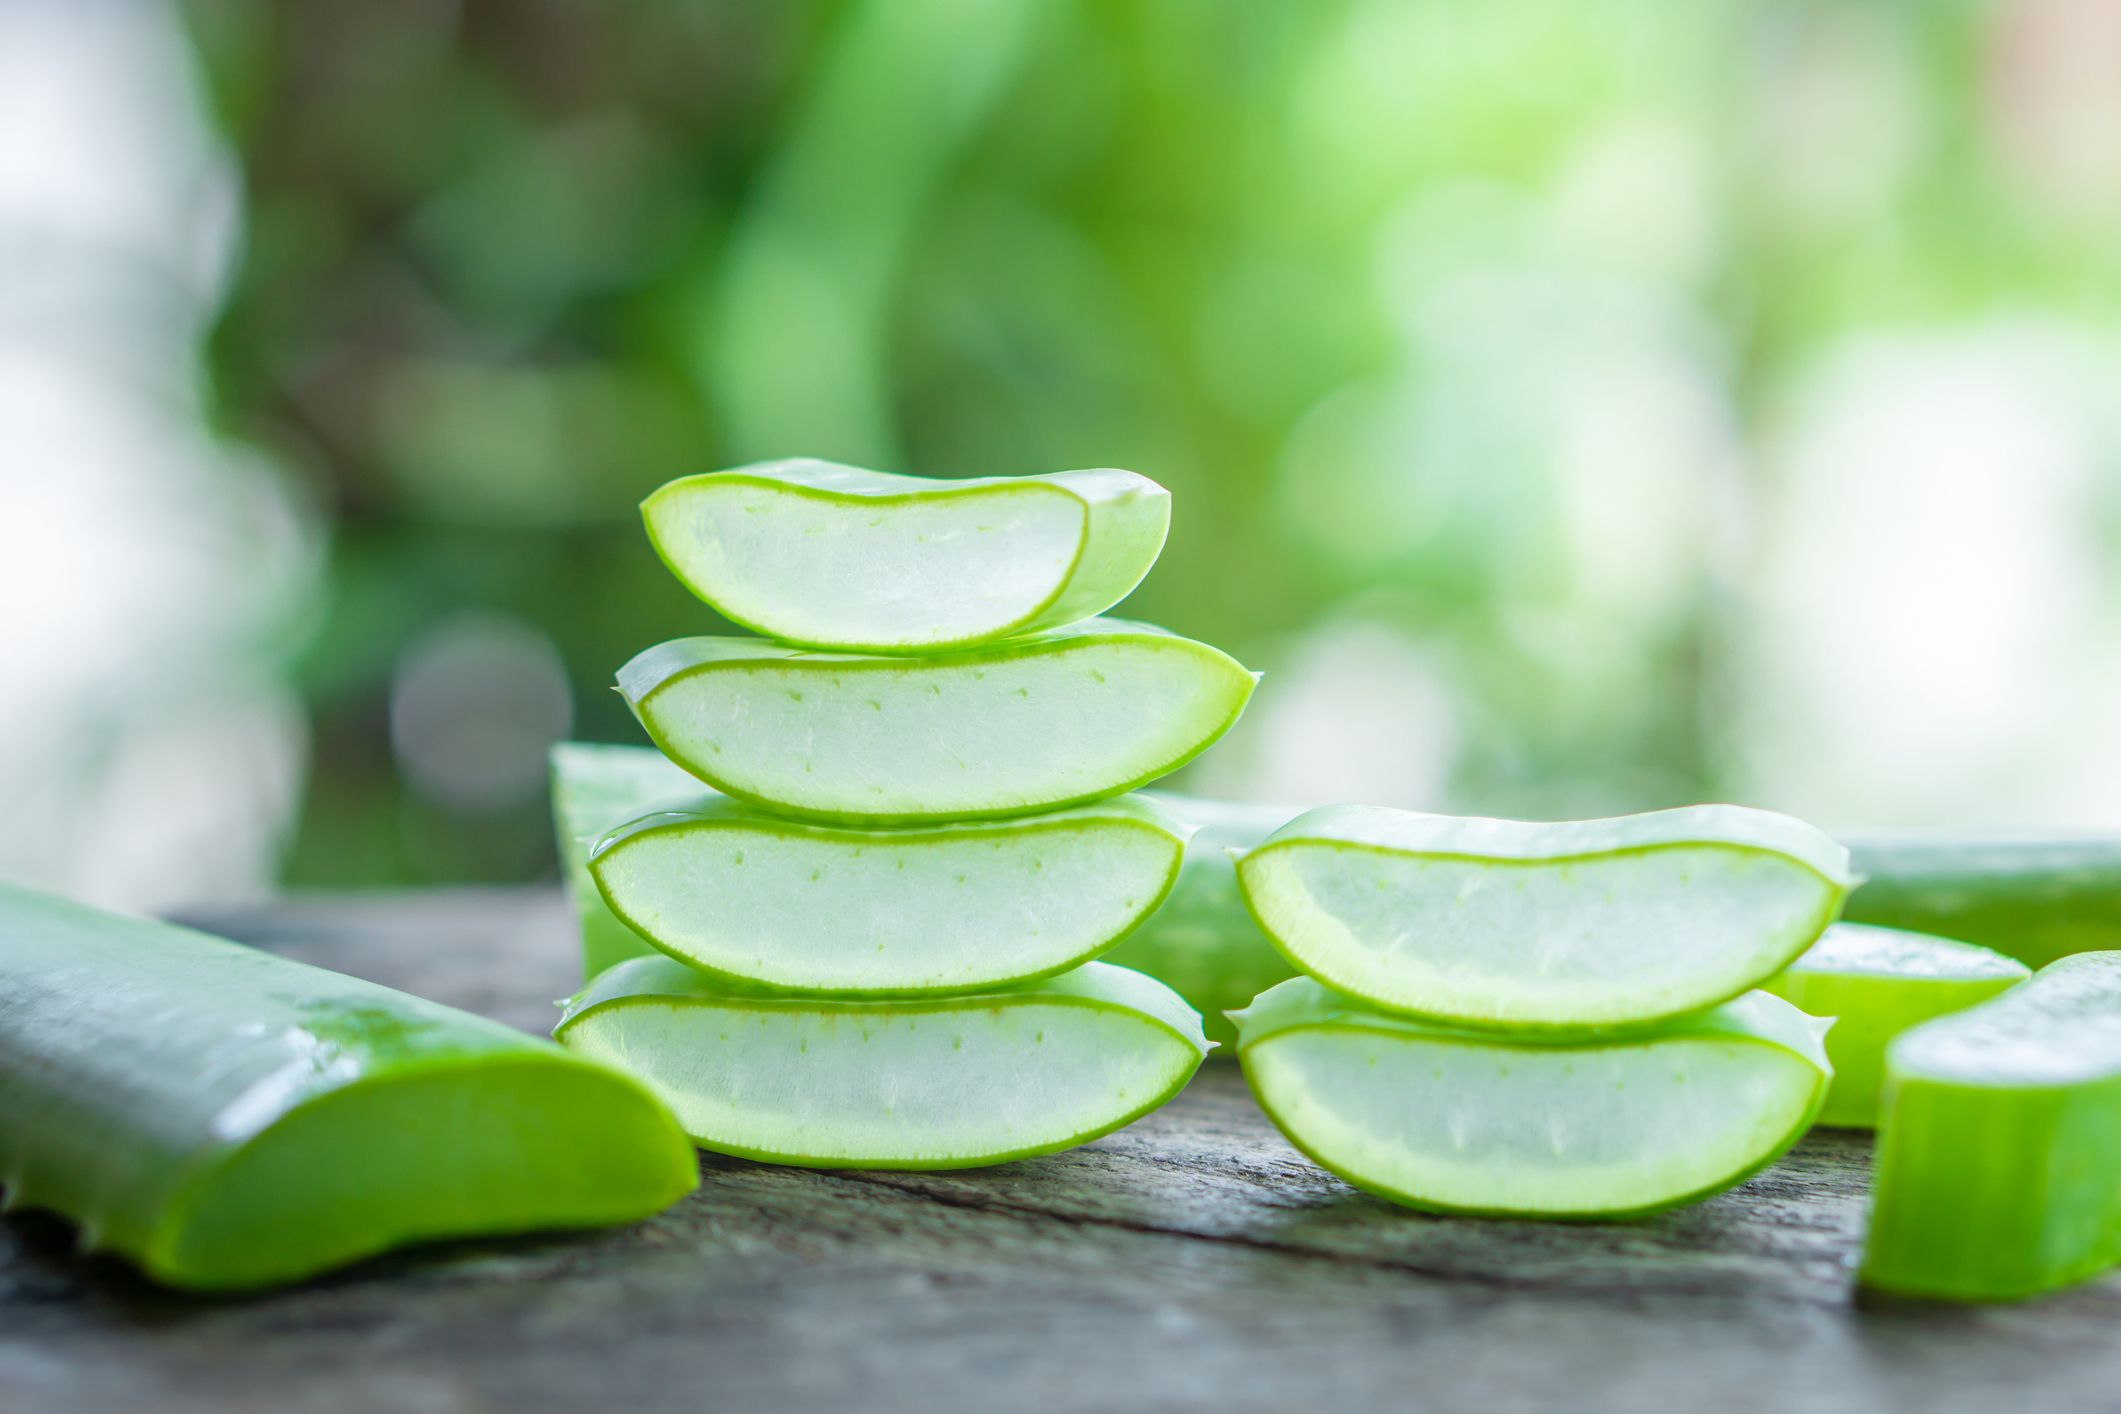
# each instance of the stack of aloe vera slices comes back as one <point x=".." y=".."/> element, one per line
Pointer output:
<point x="902" y="826"/>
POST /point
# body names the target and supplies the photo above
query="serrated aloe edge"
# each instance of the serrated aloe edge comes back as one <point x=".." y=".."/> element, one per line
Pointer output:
<point x="227" y="1119"/>
<point x="1877" y="983"/>
<point x="954" y="1082"/>
<point x="751" y="897"/>
<point x="1521" y="925"/>
<point x="839" y="557"/>
<point x="1999" y="1140"/>
<point x="1475" y="1123"/>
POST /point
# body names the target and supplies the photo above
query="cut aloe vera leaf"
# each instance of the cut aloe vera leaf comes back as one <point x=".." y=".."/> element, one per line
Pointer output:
<point x="936" y="1084"/>
<point x="747" y="896"/>
<point x="1877" y="983"/>
<point x="2032" y="897"/>
<point x="1041" y="723"/>
<point x="1999" y="1141"/>
<point x="1467" y="1122"/>
<point x="230" y="1119"/>
<point x="595" y="789"/>
<point x="1521" y="925"/>
<point x="832" y="556"/>
<point x="1202" y="942"/>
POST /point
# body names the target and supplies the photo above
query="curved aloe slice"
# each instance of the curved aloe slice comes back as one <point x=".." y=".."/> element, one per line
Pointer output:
<point x="740" y="894"/>
<point x="230" y="1119"/>
<point x="955" y="1083"/>
<point x="1877" y="983"/>
<point x="837" y="557"/>
<point x="595" y="789"/>
<point x="1514" y="924"/>
<point x="1458" y="1121"/>
<point x="1999" y="1142"/>
<point x="2032" y="897"/>
<point x="1035" y="724"/>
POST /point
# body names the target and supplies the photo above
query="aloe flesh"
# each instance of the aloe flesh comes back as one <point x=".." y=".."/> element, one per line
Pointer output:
<point x="837" y="557"/>
<point x="1471" y="1122"/>
<point x="936" y="1084"/>
<point x="596" y="789"/>
<point x="2032" y="897"/>
<point x="1877" y="983"/>
<point x="1999" y="1142"/>
<point x="1520" y="925"/>
<point x="740" y="894"/>
<point x="1040" y="723"/>
<point x="227" y="1119"/>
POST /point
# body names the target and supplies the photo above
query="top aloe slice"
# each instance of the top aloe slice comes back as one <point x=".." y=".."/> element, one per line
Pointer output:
<point x="833" y="556"/>
<point x="1523" y="925"/>
<point x="1062" y="718"/>
<point x="231" y="1119"/>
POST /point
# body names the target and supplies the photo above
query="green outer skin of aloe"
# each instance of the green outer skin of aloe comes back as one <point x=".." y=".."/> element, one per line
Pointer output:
<point x="2034" y="898"/>
<point x="146" y="1066"/>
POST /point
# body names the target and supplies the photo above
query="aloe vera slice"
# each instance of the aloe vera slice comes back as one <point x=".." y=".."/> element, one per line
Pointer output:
<point x="595" y="789"/>
<point x="833" y="556"/>
<point x="1468" y="1122"/>
<point x="743" y="895"/>
<point x="2032" y="897"/>
<point x="1999" y="1142"/>
<point x="1060" y="719"/>
<point x="229" y="1119"/>
<point x="944" y="1083"/>
<point x="1877" y="983"/>
<point x="1522" y="925"/>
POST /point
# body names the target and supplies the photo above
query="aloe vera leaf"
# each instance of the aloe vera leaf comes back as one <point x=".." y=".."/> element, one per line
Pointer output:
<point x="830" y="556"/>
<point x="1034" y="724"/>
<point x="595" y="789"/>
<point x="1877" y="983"/>
<point x="746" y="896"/>
<point x="1472" y="1122"/>
<point x="2032" y="897"/>
<point x="943" y="1083"/>
<point x="1999" y="1140"/>
<point x="229" y="1119"/>
<point x="1520" y="925"/>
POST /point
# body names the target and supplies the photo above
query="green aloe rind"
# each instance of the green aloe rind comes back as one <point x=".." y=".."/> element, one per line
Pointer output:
<point x="1518" y="925"/>
<point x="227" y="1119"/>
<point x="1999" y="1140"/>
<point x="2029" y="896"/>
<point x="943" y="1083"/>
<point x="595" y="789"/>
<point x="1483" y="1124"/>
<point x="838" y="557"/>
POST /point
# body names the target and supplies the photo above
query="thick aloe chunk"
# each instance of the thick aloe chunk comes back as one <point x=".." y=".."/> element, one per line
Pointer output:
<point x="748" y="896"/>
<point x="936" y="1084"/>
<point x="1877" y="983"/>
<point x="1523" y="925"/>
<point x="1470" y="1122"/>
<point x="1999" y="1142"/>
<point x="595" y="789"/>
<point x="833" y="556"/>
<point x="1060" y="719"/>
<point x="2032" y="897"/>
<point x="230" y="1119"/>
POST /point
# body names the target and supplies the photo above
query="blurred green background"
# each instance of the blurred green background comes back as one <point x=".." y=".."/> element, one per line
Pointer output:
<point x="1574" y="407"/>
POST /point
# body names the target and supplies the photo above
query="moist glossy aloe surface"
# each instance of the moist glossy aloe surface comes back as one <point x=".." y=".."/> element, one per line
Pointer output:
<point x="1472" y="1122"/>
<point x="2032" y="897"/>
<point x="945" y="1083"/>
<point x="1040" y="723"/>
<point x="741" y="894"/>
<point x="1999" y="1142"/>
<point x="838" y="557"/>
<point x="228" y="1119"/>
<point x="1877" y="983"/>
<point x="1520" y="925"/>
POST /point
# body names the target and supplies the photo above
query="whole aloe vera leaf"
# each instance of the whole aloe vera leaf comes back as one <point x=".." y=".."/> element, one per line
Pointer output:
<point x="952" y="1082"/>
<point x="2032" y="897"/>
<point x="1033" y="724"/>
<point x="1473" y="1122"/>
<point x="837" y="557"/>
<point x="1519" y="925"/>
<point x="746" y="896"/>
<point x="1999" y="1140"/>
<point x="1877" y="983"/>
<point x="595" y="789"/>
<point x="228" y="1119"/>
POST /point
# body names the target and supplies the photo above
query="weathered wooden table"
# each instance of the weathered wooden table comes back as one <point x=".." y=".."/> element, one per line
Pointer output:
<point x="1192" y="1261"/>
